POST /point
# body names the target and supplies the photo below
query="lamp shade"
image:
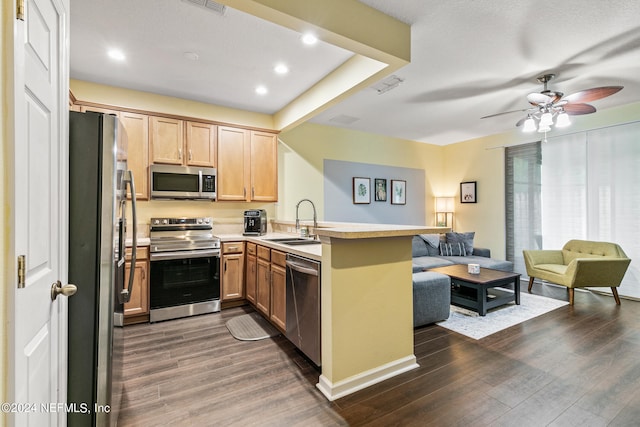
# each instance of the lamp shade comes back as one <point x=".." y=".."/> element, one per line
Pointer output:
<point x="529" y="125"/>
<point x="444" y="204"/>
<point x="563" y="120"/>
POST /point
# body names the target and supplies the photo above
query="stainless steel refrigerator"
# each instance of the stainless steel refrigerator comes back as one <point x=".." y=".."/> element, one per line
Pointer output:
<point x="98" y="182"/>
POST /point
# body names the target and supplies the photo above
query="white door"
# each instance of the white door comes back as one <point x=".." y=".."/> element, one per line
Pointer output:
<point x="37" y="351"/>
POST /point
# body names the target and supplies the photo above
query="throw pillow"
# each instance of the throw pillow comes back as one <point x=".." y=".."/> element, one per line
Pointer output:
<point x="464" y="238"/>
<point x="432" y="239"/>
<point x="452" y="249"/>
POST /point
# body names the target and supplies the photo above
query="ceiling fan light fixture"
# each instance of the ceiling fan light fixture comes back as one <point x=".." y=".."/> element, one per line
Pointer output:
<point x="546" y="119"/>
<point x="544" y="128"/>
<point x="529" y="125"/>
<point x="563" y="120"/>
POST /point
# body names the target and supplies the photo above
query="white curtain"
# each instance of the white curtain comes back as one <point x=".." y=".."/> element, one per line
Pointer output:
<point x="590" y="190"/>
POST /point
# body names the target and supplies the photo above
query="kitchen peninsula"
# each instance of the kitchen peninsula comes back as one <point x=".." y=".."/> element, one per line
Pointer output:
<point x="366" y="305"/>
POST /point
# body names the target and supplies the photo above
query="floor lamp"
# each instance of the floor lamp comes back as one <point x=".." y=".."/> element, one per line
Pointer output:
<point x="444" y="211"/>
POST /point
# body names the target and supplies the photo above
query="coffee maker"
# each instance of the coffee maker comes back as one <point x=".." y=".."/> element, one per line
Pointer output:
<point x="255" y="222"/>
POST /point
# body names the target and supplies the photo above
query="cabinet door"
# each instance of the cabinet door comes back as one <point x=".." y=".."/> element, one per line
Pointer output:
<point x="263" y="285"/>
<point x="233" y="163"/>
<point x="167" y="140"/>
<point x="278" y="297"/>
<point x="201" y="144"/>
<point x="264" y="167"/>
<point x="232" y="276"/>
<point x="139" y="303"/>
<point x="250" y="278"/>
<point x="137" y="127"/>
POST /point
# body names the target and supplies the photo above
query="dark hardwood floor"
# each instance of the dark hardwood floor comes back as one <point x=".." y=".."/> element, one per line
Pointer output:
<point x="575" y="366"/>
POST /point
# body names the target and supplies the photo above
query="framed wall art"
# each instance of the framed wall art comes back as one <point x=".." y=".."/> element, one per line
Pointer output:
<point x="361" y="190"/>
<point x="468" y="192"/>
<point x="398" y="192"/>
<point x="380" y="189"/>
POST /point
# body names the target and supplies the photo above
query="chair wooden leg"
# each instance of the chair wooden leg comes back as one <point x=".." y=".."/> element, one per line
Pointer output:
<point x="530" y="283"/>
<point x="571" y="292"/>
<point x="615" y="295"/>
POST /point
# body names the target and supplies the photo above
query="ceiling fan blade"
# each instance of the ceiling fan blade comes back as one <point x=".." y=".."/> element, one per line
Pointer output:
<point x="589" y="95"/>
<point x="579" y="109"/>
<point x="505" y="112"/>
<point x="536" y="98"/>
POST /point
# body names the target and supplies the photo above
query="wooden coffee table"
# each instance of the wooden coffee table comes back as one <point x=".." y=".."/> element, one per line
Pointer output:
<point x="478" y="292"/>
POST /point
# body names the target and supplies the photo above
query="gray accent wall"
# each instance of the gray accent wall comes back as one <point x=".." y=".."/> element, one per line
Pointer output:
<point x="338" y="194"/>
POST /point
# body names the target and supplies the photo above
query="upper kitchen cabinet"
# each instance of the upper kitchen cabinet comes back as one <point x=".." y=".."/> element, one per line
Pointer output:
<point x="179" y="142"/>
<point x="137" y="128"/>
<point x="247" y="165"/>
<point x="264" y="167"/>
<point x="167" y="140"/>
<point x="201" y="144"/>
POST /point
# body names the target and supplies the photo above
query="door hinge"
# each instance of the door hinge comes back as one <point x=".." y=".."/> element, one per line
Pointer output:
<point x="20" y="9"/>
<point x="21" y="271"/>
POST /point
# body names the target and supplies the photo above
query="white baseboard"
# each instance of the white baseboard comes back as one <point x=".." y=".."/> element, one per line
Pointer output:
<point x="333" y="391"/>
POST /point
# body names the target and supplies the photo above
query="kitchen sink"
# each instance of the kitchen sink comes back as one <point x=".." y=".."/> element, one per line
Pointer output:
<point x="294" y="241"/>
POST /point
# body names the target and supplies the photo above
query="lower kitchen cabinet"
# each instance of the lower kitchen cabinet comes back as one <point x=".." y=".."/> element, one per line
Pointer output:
<point x="232" y="271"/>
<point x="250" y="274"/>
<point x="263" y="281"/>
<point x="278" y="311"/>
<point x="137" y="309"/>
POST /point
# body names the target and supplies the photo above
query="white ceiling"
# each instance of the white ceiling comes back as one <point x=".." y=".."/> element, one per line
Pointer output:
<point x="469" y="59"/>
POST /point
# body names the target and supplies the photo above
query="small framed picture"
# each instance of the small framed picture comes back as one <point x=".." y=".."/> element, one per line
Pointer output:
<point x="361" y="190"/>
<point x="468" y="192"/>
<point x="380" y="189"/>
<point x="398" y="192"/>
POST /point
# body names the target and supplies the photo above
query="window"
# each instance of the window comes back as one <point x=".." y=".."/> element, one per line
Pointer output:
<point x="578" y="186"/>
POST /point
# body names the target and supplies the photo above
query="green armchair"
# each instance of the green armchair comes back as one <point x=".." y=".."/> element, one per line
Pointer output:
<point x="580" y="263"/>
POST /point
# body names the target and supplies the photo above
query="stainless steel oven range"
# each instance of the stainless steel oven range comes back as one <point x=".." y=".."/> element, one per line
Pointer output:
<point x="184" y="268"/>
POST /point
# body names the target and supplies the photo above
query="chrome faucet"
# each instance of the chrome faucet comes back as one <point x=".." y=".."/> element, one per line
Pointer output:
<point x="315" y="218"/>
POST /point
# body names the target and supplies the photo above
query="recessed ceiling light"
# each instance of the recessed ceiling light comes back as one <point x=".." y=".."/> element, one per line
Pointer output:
<point x="281" y="69"/>
<point x="309" y="39"/>
<point x="261" y="90"/>
<point x="116" y="54"/>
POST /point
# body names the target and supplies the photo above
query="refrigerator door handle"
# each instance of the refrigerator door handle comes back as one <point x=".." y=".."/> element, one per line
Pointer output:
<point x="126" y="293"/>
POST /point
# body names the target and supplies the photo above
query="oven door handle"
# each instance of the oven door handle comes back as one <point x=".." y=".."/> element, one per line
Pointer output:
<point x="162" y="256"/>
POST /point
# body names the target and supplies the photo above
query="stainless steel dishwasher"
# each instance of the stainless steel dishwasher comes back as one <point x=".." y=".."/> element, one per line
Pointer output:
<point x="303" y="305"/>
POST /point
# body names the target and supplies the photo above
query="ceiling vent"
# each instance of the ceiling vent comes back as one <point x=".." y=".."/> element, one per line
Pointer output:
<point x="387" y="84"/>
<point x="209" y="5"/>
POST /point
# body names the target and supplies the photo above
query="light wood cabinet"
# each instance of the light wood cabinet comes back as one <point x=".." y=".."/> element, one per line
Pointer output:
<point x="137" y="309"/>
<point x="247" y="165"/>
<point x="232" y="276"/>
<point x="263" y="281"/>
<point x="179" y="142"/>
<point x="200" y="143"/>
<point x="251" y="270"/>
<point x="278" y="312"/>
<point x="264" y="167"/>
<point x="137" y="128"/>
<point x="166" y="140"/>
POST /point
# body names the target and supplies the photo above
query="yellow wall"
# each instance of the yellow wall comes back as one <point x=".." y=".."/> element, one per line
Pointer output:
<point x="303" y="150"/>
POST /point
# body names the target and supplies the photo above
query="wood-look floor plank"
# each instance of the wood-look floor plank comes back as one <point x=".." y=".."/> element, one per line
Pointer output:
<point x="573" y="366"/>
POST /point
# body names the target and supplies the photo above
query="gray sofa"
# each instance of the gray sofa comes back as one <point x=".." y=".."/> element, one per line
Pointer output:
<point x="432" y="291"/>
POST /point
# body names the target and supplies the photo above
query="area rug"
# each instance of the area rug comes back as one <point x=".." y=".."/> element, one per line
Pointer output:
<point x="250" y="327"/>
<point x="471" y="324"/>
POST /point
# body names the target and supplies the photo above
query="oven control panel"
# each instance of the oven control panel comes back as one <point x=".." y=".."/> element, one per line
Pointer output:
<point x="180" y="221"/>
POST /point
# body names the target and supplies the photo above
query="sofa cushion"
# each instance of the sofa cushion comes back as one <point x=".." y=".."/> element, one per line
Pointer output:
<point x="427" y="262"/>
<point x="484" y="262"/>
<point x="433" y="243"/>
<point x="418" y="247"/>
<point x="431" y="297"/>
<point x="452" y="249"/>
<point x="465" y="238"/>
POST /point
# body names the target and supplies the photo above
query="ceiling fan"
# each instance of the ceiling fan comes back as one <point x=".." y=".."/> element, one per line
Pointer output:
<point x="550" y="105"/>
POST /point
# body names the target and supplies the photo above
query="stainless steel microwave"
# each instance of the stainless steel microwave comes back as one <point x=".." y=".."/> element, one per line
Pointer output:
<point x="183" y="182"/>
